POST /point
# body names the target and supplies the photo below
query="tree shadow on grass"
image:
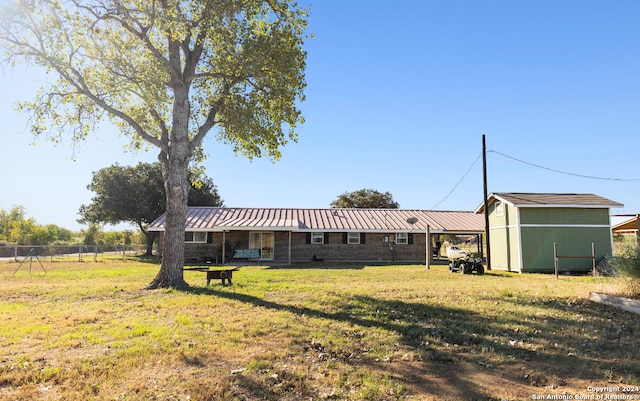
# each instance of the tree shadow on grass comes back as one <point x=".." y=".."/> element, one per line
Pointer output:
<point x="597" y="332"/>
<point x="449" y="338"/>
<point x="405" y="319"/>
<point x="143" y="258"/>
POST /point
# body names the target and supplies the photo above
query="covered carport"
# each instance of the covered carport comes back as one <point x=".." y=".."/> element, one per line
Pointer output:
<point x="455" y="224"/>
<point x="627" y="227"/>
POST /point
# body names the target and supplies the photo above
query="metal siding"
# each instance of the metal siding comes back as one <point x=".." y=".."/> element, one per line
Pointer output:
<point x="327" y="219"/>
<point x="452" y="221"/>
<point x="339" y="222"/>
<point x="301" y="218"/>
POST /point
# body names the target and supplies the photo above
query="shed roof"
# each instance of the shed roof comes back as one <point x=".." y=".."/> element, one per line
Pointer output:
<point x="521" y="199"/>
<point x="336" y="220"/>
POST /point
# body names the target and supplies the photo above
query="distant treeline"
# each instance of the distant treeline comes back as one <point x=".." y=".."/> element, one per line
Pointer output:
<point x="18" y="229"/>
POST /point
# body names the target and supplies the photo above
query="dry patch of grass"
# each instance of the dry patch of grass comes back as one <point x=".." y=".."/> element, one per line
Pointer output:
<point x="319" y="332"/>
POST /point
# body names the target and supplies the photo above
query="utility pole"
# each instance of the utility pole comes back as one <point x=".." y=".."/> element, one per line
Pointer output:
<point x="486" y="201"/>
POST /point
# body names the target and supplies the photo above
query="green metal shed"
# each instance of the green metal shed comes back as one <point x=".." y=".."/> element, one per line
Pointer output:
<point x="523" y="228"/>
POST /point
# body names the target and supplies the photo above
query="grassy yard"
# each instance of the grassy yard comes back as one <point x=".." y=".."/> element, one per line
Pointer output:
<point x="87" y="330"/>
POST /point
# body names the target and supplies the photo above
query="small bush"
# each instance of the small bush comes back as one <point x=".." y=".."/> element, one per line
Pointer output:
<point x="627" y="266"/>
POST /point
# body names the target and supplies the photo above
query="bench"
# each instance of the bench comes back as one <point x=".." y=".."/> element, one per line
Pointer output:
<point x="224" y="275"/>
<point x="249" y="254"/>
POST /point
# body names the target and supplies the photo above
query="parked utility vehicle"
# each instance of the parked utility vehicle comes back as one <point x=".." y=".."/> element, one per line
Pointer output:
<point x="466" y="266"/>
<point x="453" y="253"/>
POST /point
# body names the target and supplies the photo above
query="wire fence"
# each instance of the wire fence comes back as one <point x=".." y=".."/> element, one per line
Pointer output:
<point x="79" y="252"/>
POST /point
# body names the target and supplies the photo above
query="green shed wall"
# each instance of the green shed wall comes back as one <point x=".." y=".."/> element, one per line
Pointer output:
<point x="505" y="253"/>
<point x="504" y="249"/>
<point x="537" y="247"/>
<point x="563" y="216"/>
<point x="572" y="229"/>
<point x="522" y="238"/>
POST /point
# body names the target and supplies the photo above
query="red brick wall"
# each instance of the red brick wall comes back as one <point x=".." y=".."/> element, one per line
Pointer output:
<point x="335" y="250"/>
<point x="373" y="249"/>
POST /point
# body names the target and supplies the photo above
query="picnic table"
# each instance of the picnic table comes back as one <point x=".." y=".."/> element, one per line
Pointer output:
<point x="215" y="274"/>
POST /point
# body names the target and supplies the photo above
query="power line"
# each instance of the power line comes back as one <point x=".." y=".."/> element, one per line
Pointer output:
<point x="564" y="172"/>
<point x="591" y="177"/>
<point x="459" y="181"/>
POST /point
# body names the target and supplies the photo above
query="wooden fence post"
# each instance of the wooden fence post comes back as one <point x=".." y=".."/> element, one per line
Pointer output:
<point x="555" y="259"/>
<point x="593" y="258"/>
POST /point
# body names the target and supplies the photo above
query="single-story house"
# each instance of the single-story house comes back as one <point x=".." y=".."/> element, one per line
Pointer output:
<point x="286" y="235"/>
<point x="523" y="228"/>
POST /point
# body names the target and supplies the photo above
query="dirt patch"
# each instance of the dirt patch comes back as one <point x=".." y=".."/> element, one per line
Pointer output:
<point x="478" y="380"/>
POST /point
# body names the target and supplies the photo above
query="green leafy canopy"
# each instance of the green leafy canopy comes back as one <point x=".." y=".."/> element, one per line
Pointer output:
<point x="136" y="194"/>
<point x="365" y="199"/>
<point x="238" y="64"/>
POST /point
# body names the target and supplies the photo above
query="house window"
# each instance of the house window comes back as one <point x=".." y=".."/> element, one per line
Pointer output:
<point x="402" y="238"/>
<point x="195" y="236"/>
<point x="353" y="238"/>
<point x="317" y="238"/>
<point x="499" y="209"/>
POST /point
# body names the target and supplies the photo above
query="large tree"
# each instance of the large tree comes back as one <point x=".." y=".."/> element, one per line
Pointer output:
<point x="166" y="73"/>
<point x="365" y="199"/>
<point x="135" y="194"/>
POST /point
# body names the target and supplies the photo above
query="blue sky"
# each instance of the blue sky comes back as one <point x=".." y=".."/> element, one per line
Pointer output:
<point x="398" y="98"/>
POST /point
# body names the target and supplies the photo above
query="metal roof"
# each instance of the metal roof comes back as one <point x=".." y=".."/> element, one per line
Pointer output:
<point x="201" y="218"/>
<point x="626" y="227"/>
<point x="520" y="199"/>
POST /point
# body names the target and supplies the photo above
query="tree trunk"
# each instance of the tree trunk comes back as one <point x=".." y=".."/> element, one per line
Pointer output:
<point x="175" y="169"/>
<point x="151" y="237"/>
<point x="171" y="274"/>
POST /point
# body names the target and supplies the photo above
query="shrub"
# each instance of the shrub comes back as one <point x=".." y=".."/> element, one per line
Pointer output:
<point x="627" y="266"/>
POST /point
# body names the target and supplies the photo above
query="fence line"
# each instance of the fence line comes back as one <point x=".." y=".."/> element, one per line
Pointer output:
<point x="19" y="252"/>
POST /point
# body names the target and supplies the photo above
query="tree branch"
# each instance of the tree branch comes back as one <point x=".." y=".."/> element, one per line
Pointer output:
<point x="140" y="33"/>
<point x="214" y="110"/>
